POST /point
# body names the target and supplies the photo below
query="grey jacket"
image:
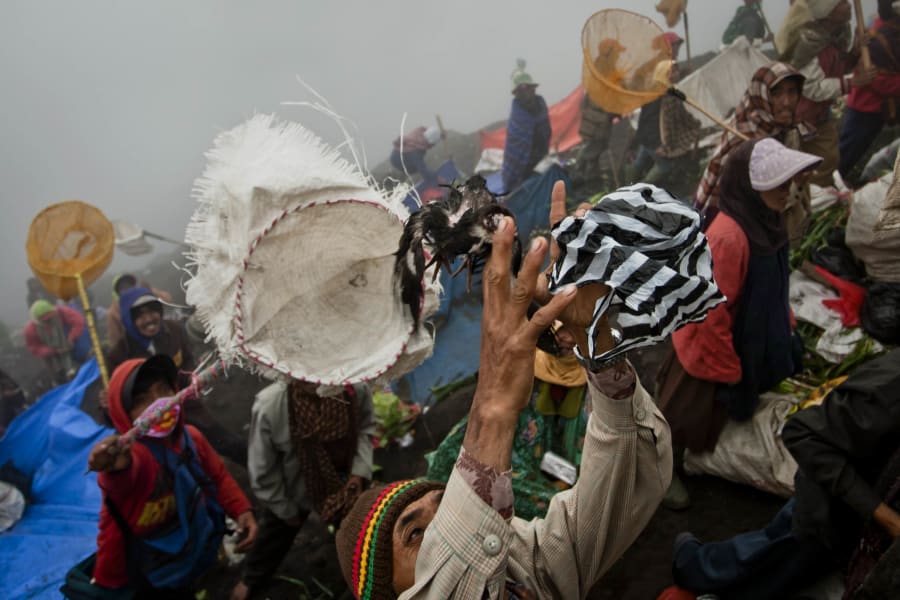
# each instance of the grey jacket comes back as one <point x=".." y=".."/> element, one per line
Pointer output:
<point x="272" y="463"/>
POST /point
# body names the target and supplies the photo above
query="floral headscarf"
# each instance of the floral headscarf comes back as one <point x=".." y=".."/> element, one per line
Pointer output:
<point x="754" y="118"/>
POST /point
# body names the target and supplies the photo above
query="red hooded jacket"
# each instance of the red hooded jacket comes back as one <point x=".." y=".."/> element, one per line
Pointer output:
<point x="68" y="317"/>
<point x="141" y="493"/>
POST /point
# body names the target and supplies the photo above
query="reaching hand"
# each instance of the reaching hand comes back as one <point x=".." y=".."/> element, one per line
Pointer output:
<point x="888" y="518"/>
<point x="103" y="399"/>
<point x="577" y="316"/>
<point x="508" y="337"/>
<point x="248" y="527"/>
<point x="355" y="485"/>
<point x="863" y="76"/>
<point x="107" y="456"/>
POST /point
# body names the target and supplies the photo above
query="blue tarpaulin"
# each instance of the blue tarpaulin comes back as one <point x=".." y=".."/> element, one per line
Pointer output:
<point x="458" y="320"/>
<point x="51" y="442"/>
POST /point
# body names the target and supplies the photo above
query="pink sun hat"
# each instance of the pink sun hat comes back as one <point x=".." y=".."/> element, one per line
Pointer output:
<point x="772" y="164"/>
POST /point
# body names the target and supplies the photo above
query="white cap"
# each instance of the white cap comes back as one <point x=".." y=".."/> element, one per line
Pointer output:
<point x="771" y="164"/>
<point x="433" y="135"/>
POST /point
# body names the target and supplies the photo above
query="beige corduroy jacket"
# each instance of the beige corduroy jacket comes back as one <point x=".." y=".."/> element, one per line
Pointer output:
<point x="626" y="468"/>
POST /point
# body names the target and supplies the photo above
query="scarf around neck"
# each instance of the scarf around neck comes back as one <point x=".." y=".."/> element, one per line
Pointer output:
<point x="754" y="117"/>
<point x="765" y="229"/>
<point x="324" y="432"/>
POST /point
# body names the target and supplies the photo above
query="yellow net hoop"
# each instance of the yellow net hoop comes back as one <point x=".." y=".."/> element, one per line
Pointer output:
<point x="624" y="53"/>
<point x="69" y="239"/>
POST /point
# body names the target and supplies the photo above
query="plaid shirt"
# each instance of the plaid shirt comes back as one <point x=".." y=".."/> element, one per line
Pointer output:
<point x="471" y="551"/>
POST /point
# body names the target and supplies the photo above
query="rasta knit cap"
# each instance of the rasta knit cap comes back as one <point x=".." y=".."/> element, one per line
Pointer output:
<point x="365" y="538"/>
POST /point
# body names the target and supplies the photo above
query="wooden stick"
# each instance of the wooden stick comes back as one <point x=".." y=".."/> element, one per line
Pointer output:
<point x="759" y="9"/>
<point x="163" y="238"/>
<point x="92" y="328"/>
<point x="687" y="38"/>
<point x="680" y="95"/>
<point x="443" y="137"/>
<point x="861" y="34"/>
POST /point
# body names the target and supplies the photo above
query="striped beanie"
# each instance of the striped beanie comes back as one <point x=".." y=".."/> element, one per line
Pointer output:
<point x="365" y="538"/>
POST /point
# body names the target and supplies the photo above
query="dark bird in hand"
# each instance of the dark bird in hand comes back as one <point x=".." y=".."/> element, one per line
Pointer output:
<point x="460" y="225"/>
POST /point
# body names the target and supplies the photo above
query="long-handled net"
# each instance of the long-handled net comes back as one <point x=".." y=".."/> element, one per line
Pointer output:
<point x="622" y="50"/>
<point x="293" y="252"/>
<point x="628" y="63"/>
<point x="69" y="245"/>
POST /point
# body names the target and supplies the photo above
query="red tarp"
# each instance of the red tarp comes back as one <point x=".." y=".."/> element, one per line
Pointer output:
<point x="565" y="116"/>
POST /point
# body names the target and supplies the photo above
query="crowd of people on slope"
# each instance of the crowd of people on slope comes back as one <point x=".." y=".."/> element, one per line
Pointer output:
<point x="754" y="196"/>
<point x="559" y="465"/>
<point x="311" y="451"/>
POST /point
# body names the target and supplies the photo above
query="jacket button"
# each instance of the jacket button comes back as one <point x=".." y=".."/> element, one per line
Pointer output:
<point x="491" y="545"/>
<point x="640" y="414"/>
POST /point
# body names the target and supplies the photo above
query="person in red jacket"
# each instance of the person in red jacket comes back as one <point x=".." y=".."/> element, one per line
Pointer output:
<point x="822" y="48"/>
<point x="139" y="487"/>
<point x="867" y="107"/>
<point x="744" y="347"/>
<point x="51" y="335"/>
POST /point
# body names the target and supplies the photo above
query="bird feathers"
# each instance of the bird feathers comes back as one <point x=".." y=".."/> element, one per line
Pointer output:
<point x="461" y="225"/>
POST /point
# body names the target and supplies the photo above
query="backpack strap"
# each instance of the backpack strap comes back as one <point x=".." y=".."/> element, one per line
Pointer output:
<point x="882" y="41"/>
<point x="169" y="460"/>
<point x="117" y="516"/>
<point x="191" y="458"/>
<point x="136" y="579"/>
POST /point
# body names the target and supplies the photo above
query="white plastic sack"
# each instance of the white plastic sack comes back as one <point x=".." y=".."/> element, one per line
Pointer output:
<point x="876" y="245"/>
<point x="887" y="225"/>
<point x="838" y="342"/>
<point x="821" y="198"/>
<point x="752" y="452"/>
<point x="12" y="505"/>
<point x="719" y="84"/>
<point x="806" y="297"/>
<point x="491" y="161"/>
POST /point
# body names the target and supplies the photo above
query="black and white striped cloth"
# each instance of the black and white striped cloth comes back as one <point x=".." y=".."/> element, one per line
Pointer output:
<point x="648" y="248"/>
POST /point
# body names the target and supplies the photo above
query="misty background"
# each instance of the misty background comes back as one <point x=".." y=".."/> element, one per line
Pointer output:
<point x="114" y="103"/>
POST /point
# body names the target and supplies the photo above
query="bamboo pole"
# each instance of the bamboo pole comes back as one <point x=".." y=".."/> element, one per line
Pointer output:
<point x="680" y="95"/>
<point x="769" y="32"/>
<point x="446" y="148"/>
<point x="861" y="34"/>
<point x="163" y="238"/>
<point x="687" y="38"/>
<point x="92" y="328"/>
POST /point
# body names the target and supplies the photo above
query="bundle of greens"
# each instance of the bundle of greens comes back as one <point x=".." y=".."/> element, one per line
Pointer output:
<point x="394" y="419"/>
<point x="816" y="236"/>
<point x="818" y="371"/>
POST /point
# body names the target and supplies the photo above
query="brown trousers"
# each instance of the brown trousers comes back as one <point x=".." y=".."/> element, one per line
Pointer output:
<point x="689" y="404"/>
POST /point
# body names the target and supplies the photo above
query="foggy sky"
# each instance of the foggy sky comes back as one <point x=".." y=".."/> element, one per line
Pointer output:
<point x="114" y="103"/>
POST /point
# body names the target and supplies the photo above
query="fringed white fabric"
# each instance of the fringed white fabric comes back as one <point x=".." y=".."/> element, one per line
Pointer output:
<point x="293" y="252"/>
